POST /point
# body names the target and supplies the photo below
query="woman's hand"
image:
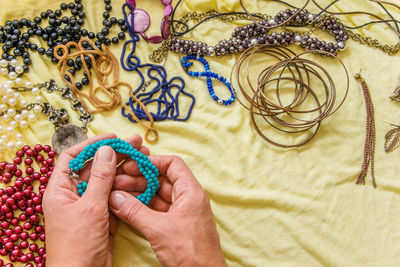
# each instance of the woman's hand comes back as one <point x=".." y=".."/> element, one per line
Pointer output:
<point x="80" y="230"/>
<point x="178" y="223"/>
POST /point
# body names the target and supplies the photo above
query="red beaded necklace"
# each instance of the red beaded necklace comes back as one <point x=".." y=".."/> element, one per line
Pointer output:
<point x="20" y="232"/>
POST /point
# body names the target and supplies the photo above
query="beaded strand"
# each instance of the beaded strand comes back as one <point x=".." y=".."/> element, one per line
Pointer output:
<point x="186" y="64"/>
<point x="149" y="171"/>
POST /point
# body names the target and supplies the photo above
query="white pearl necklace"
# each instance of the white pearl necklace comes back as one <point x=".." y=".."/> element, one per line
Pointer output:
<point x="15" y="116"/>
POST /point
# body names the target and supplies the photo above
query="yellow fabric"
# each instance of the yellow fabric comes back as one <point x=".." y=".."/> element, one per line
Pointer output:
<point x="273" y="206"/>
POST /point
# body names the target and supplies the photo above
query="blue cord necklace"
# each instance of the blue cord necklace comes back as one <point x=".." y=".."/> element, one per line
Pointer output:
<point x="149" y="171"/>
<point x="186" y="64"/>
<point x="166" y="101"/>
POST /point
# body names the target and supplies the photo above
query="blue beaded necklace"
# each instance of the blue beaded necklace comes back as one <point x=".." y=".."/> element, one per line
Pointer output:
<point x="149" y="171"/>
<point x="166" y="101"/>
<point x="186" y="64"/>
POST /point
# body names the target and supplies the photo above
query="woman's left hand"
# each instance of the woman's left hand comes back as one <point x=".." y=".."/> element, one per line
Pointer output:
<point x="80" y="230"/>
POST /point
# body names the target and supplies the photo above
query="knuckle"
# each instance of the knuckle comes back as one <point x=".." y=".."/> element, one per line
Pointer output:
<point x="96" y="209"/>
<point x="177" y="159"/>
<point x="101" y="172"/>
<point x="133" y="211"/>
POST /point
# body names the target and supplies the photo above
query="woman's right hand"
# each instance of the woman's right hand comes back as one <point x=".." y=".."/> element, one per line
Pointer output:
<point x="178" y="223"/>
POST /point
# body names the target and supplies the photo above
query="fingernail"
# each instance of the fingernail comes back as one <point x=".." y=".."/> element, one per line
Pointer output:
<point x="104" y="154"/>
<point x="117" y="200"/>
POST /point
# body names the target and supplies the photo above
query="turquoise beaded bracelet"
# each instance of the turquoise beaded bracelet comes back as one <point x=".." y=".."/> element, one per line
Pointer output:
<point x="147" y="168"/>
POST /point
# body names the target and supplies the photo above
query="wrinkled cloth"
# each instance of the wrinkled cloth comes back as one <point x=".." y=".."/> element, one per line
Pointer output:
<point x="273" y="206"/>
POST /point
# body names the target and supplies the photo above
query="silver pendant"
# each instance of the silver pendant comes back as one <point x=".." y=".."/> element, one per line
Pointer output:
<point x="67" y="136"/>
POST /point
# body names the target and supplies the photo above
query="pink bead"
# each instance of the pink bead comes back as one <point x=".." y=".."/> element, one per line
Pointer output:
<point x="38" y="229"/>
<point x="36" y="175"/>
<point x="15" y="252"/>
<point x="166" y="2"/>
<point x="18" y="195"/>
<point x="28" y="180"/>
<point x="19" y="184"/>
<point x="38" y="148"/>
<point x="17" y="160"/>
<point x="30" y="256"/>
<point x="11" y="167"/>
<point x="10" y="214"/>
<point x="18" y="229"/>
<point x="29" y="170"/>
<point x="14" y="221"/>
<point x="10" y="202"/>
<point x="40" y="158"/>
<point x="155" y="39"/>
<point x="33" y="247"/>
<point x="10" y="190"/>
<point x="42" y="237"/>
<point x="28" y="161"/>
<point x="38" y="208"/>
<point x="37" y="259"/>
<point x="168" y="11"/>
<point x="30" y="153"/>
<point x="34" y="236"/>
<point x="4" y="209"/>
<point x="27" y="192"/>
<point x="23" y="259"/>
<point x="50" y="161"/>
<point x="41" y="251"/>
<point x="24" y="235"/>
<point x="43" y="179"/>
<point x="24" y="244"/>
<point x="132" y="3"/>
<point x="8" y="232"/>
<point x="34" y="219"/>
<point x="43" y="170"/>
<point x="18" y="173"/>
<point x="52" y="154"/>
<point x="27" y="226"/>
<point x="14" y="237"/>
<point x="9" y="245"/>
<point x="4" y="224"/>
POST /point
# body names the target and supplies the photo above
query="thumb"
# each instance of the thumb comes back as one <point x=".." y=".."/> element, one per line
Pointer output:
<point x="102" y="174"/>
<point x="129" y="209"/>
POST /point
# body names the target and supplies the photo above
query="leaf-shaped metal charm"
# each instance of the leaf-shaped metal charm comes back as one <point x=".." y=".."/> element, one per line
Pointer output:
<point x="392" y="139"/>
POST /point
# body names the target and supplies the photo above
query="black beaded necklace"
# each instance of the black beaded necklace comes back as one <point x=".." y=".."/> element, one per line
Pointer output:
<point x="61" y="29"/>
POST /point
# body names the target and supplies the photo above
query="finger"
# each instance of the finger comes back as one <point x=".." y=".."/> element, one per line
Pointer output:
<point x="156" y="203"/>
<point x="136" y="141"/>
<point x="59" y="179"/>
<point x="102" y="175"/>
<point x="159" y="204"/>
<point x="130" y="210"/>
<point x="174" y="168"/>
<point x="144" y="150"/>
<point x="130" y="183"/>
